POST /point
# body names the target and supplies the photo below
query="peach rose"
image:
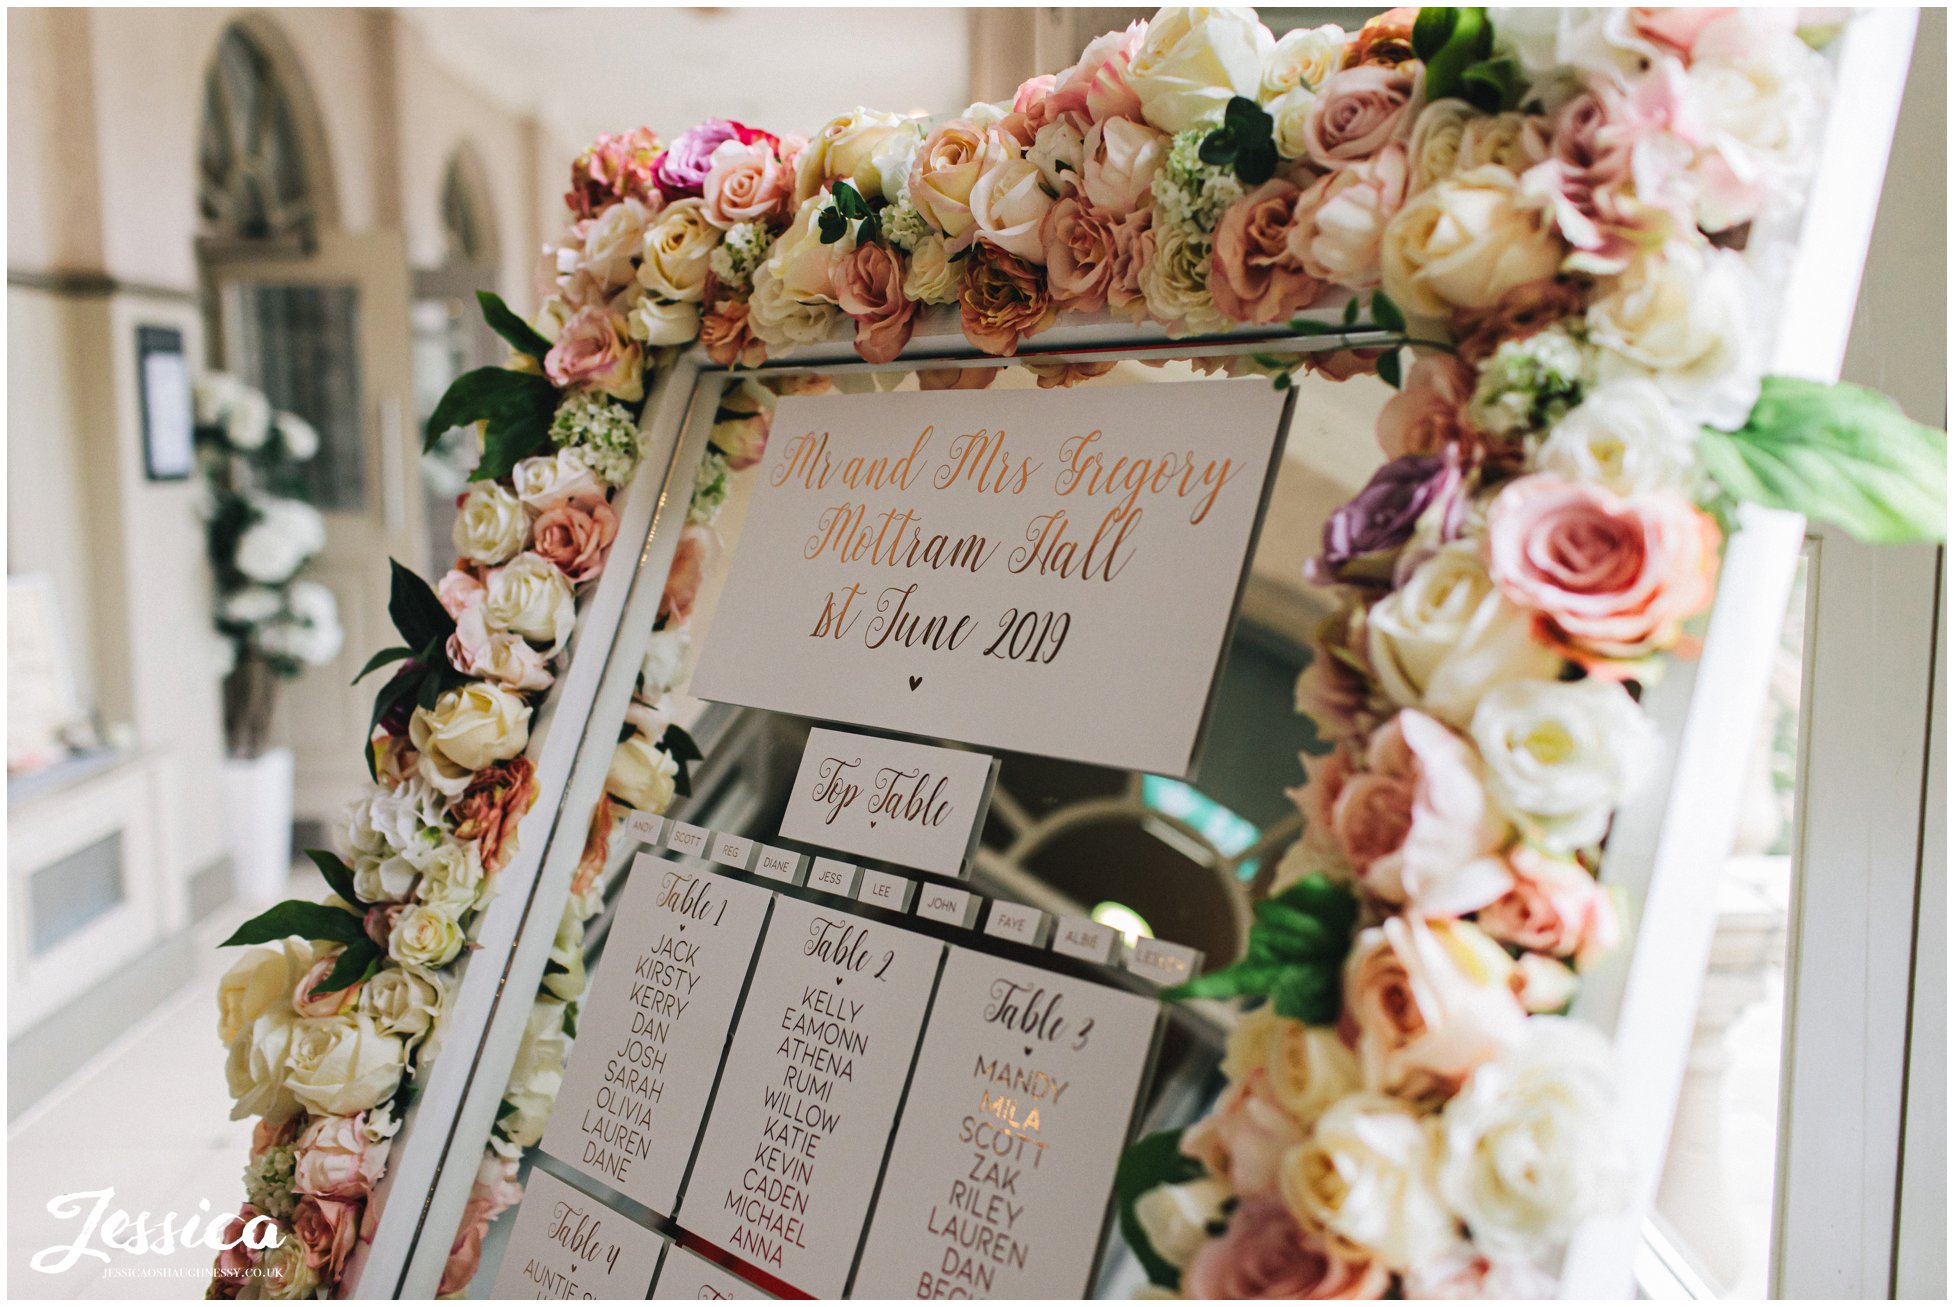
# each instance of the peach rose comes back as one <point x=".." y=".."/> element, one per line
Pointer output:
<point x="326" y="1229"/>
<point x="1463" y="242"/>
<point x="1427" y="1003"/>
<point x="728" y="337"/>
<point x="459" y="589"/>
<point x="337" y="1160"/>
<point x="594" y="352"/>
<point x="575" y="537"/>
<point x="1004" y="300"/>
<point x="1255" y="276"/>
<point x="698" y="548"/>
<point x="747" y="182"/>
<point x="1555" y="906"/>
<point x="1265" y="1254"/>
<point x="1384" y="39"/>
<point x="1082" y="250"/>
<point x="1428" y="415"/>
<point x="496" y="1191"/>
<point x="1357" y="112"/>
<point x="306" y="1004"/>
<point x="1338" y="232"/>
<point x="490" y="808"/>
<point x="1008" y="202"/>
<point x="237" y="1261"/>
<point x="868" y="288"/>
<point x="1122" y="157"/>
<point x="1243" y="1139"/>
<point x="1610" y="576"/>
<point x="946" y="168"/>
<point x="1096" y="85"/>
<point x="741" y="426"/>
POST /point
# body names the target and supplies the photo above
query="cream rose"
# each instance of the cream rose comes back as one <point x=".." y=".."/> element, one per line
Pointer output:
<point x="259" y="982"/>
<point x="468" y="728"/>
<point x="1301" y="59"/>
<point x="341" y="1065"/>
<point x="531" y="597"/>
<point x="665" y="654"/>
<point x="677" y="246"/>
<point x="1290" y="112"/>
<point x="404" y="1001"/>
<point x="425" y="936"/>
<point x="492" y="526"/>
<point x="1369" y="1174"/>
<point x="1755" y="93"/>
<point x="611" y="241"/>
<point x="537" y="1075"/>
<point x="254" y="1069"/>
<point x="931" y="278"/>
<point x="945" y="169"/>
<point x="547" y="480"/>
<point x="780" y="320"/>
<point x="844" y="150"/>
<point x="1464" y="242"/>
<point x="1175" y="284"/>
<point x="1626" y="436"/>
<point x="1562" y="755"/>
<point x="1059" y="152"/>
<point x="384" y="880"/>
<point x="1194" y="60"/>
<point x="642" y="775"/>
<point x="1121" y="158"/>
<point x="664" y="322"/>
<point x="1438" y="140"/>
<point x="1007" y="204"/>
<point x="1308" y="1067"/>
<point x="498" y="655"/>
<point x="1176" y="1217"/>
<point x="1684" y="317"/>
<point x="452" y="878"/>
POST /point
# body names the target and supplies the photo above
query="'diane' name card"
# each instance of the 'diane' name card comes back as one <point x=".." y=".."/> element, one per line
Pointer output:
<point x="566" y="1244"/>
<point x="892" y="800"/>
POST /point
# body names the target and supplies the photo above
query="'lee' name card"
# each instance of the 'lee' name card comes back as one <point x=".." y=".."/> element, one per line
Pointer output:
<point x="654" y="1027"/>
<point x="892" y="800"/>
<point x="566" y="1244"/>
<point x="1047" y="571"/>
<point x="795" y="1139"/>
<point x="1003" y="1163"/>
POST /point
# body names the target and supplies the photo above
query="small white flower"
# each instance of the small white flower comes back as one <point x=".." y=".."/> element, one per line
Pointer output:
<point x="1625" y="435"/>
<point x="1561" y="756"/>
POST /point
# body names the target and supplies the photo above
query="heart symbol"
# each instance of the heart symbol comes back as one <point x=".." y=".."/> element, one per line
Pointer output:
<point x="1027" y="1050"/>
<point x="681" y="928"/>
<point x="871" y="825"/>
<point x="837" y="980"/>
<point x="915" y="681"/>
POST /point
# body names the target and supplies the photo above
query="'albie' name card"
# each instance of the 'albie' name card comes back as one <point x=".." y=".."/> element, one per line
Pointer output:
<point x="654" y="1026"/>
<point x="797" y="1132"/>
<point x="988" y="566"/>
<point x="567" y="1244"/>
<point x="899" y="802"/>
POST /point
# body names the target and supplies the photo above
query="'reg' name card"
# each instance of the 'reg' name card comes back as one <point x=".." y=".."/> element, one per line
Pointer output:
<point x="566" y="1244"/>
<point x="1047" y="571"/>
<point x="1003" y="1163"/>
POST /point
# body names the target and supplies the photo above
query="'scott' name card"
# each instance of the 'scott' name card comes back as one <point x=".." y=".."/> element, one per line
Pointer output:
<point x="1002" y="1168"/>
<point x="892" y="800"/>
<point x="654" y="1027"/>
<point x="986" y="565"/>
<point x="567" y="1244"/>
<point x="797" y="1132"/>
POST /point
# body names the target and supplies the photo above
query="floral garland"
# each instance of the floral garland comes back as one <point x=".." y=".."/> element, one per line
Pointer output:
<point x="1548" y="209"/>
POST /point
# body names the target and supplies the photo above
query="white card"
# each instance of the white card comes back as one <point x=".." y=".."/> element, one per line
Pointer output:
<point x="1002" y="1170"/>
<point x="1049" y="571"/>
<point x="654" y="1026"/>
<point x="797" y="1131"/>
<point x="566" y="1244"/>
<point x="911" y="804"/>
<point x="688" y="1277"/>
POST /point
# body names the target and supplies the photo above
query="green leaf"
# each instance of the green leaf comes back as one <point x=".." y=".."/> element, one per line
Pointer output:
<point x="1295" y="954"/>
<point x="869" y="230"/>
<point x="313" y="921"/>
<point x="849" y="201"/>
<point x="1350" y="310"/>
<point x="504" y="321"/>
<point x="416" y="610"/>
<point x="400" y="686"/>
<point x="1256" y="165"/>
<point x="1218" y="148"/>
<point x="355" y="963"/>
<point x="1390" y="369"/>
<point x="1469" y="41"/>
<point x="381" y="659"/>
<point x="1432" y="29"/>
<point x="1151" y="1162"/>
<point x="338" y="875"/>
<point x="1493" y="85"/>
<point x="517" y="406"/>
<point x="1385" y="313"/>
<point x="1311" y="327"/>
<point x="833" y="226"/>
<point x="681" y="745"/>
<point x="1839" y="454"/>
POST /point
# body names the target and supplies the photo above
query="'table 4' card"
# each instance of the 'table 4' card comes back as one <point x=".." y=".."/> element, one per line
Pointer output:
<point x="567" y="1244"/>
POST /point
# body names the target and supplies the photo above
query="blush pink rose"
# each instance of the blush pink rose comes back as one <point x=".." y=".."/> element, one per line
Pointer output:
<point x="1254" y="276"/>
<point x="1095" y="87"/>
<point x="1265" y="1254"/>
<point x="1675" y="30"/>
<point x="1611" y="577"/>
<point x="868" y="288"/>
<point x="1428" y="415"/>
<point x="574" y="537"/>
<point x="1121" y="157"/>
<point x="1426" y="1004"/>
<point x="698" y="549"/>
<point x="727" y="335"/>
<point x="593" y="353"/>
<point x="337" y="1160"/>
<point x="233" y="1267"/>
<point x="1243" y="1139"/>
<point x="306" y="1004"/>
<point x="747" y="182"/>
<point x="946" y="167"/>
<point x="503" y="656"/>
<point x="1339" y="228"/>
<point x="327" y="1230"/>
<point x="1359" y="111"/>
<point x="1083" y="248"/>
<point x="458" y="590"/>
<point x="496" y="1191"/>
<point x="1555" y="906"/>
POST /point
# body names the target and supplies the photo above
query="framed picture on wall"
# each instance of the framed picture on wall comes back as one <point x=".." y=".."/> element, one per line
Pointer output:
<point x="163" y="380"/>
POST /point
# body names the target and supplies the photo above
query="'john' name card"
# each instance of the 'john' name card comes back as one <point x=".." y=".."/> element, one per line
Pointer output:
<point x="688" y="1277"/>
<point x="654" y="1027"/>
<point x="892" y="800"/>
<point x="797" y="1132"/>
<point x="1048" y="571"/>
<point x="1003" y="1163"/>
<point x="566" y="1244"/>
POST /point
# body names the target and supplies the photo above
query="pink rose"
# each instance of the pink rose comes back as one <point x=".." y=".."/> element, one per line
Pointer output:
<point x="1008" y="202"/>
<point x="1121" y="157"/>
<point x="1031" y="107"/>
<point x="740" y="428"/>
<point x="615" y="168"/>
<point x="747" y="182"/>
<point x="593" y="353"/>
<point x="495" y="1192"/>
<point x="1265" y="1254"/>
<point x="1335" y="690"/>
<point x="1083" y="247"/>
<point x="1359" y="111"/>
<point x="1674" y="29"/>
<point x="1427" y="1003"/>
<point x="459" y="590"/>
<point x="323" y="1005"/>
<point x="1555" y="906"/>
<point x="574" y="537"/>
<point x="946" y="167"/>
<point x="268" y="1134"/>
<point x="727" y="335"/>
<point x="1611" y="577"/>
<point x="501" y="656"/>
<point x="1428" y="415"/>
<point x="235" y="1263"/>
<point x="1243" y="1139"/>
<point x="698" y="549"/>
<point x="326" y="1229"/>
<point x="1590" y="183"/>
<point x="1340" y="219"/>
<point x="1095" y="87"/>
<point x="337" y="1160"/>
<point x="1254" y="276"/>
<point x="868" y="288"/>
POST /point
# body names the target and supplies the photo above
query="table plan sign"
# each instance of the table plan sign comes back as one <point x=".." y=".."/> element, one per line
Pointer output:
<point x="654" y="1028"/>
<point x="984" y="565"/>
<point x="797" y="1131"/>
<point x="567" y="1244"/>
<point x="1002" y="1168"/>
<point x="893" y="800"/>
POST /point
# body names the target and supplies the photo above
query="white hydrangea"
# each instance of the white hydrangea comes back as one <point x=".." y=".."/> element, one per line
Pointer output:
<point x="287" y="533"/>
<point x="709" y="489"/>
<point x="904" y="224"/>
<point x="601" y="433"/>
<point x="743" y="249"/>
<point x="1188" y="193"/>
<point x="1531" y="384"/>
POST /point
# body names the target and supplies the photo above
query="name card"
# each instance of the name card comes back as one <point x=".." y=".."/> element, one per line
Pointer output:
<point x="684" y="837"/>
<point x="955" y="907"/>
<point x="1164" y="963"/>
<point x="654" y="1026"/>
<point x="566" y="1244"/>
<point x="885" y="890"/>
<point x="892" y="800"/>
<point x="1002" y="1169"/>
<point x="984" y="565"/>
<point x="644" y="827"/>
<point x="1085" y="939"/>
<point x="783" y="865"/>
<point x="831" y="876"/>
<point x="688" y="1277"/>
<point x="735" y="851"/>
<point x="1016" y="922"/>
<point x="795" y="1140"/>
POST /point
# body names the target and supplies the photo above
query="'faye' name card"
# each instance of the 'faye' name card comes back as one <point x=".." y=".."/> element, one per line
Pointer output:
<point x="654" y="1027"/>
<point x="1003" y="1163"/>
<point x="910" y="804"/>
<point x="688" y="1277"/>
<point x="986" y="565"/>
<point x="797" y="1131"/>
<point x="566" y="1244"/>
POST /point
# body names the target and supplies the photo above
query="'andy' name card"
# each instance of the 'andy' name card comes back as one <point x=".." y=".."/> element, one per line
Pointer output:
<point x="688" y="1277"/>
<point x="989" y="565"/>
<point x="566" y="1244"/>
<point x="654" y="1026"/>
<point x="795" y="1140"/>
<point x="899" y="802"/>
<point x="1003" y="1163"/>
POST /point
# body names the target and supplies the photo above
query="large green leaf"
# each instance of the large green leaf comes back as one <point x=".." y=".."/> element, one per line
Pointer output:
<point x="504" y="321"/>
<point x="1839" y="454"/>
<point x="313" y="921"/>
<point x="338" y="875"/>
<point x="1150" y="1162"/>
<point x="416" y="610"/>
<point x="1467" y="38"/>
<point x="356" y="962"/>
<point x="1295" y="954"/>
<point x="517" y="406"/>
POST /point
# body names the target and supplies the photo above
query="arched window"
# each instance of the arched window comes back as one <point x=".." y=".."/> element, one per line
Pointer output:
<point x="254" y="182"/>
<point x="466" y="225"/>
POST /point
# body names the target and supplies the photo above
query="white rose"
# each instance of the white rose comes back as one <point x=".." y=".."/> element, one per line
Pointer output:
<point x="1059" y="151"/>
<point x="1301" y="60"/>
<point x="425" y="936"/>
<point x="1175" y="284"/>
<point x="1447" y="635"/>
<point x="1007" y="205"/>
<point x="1756" y="92"/>
<point x="468" y="728"/>
<point x="1465" y="241"/>
<point x="1308" y="1068"/>
<point x="251" y="605"/>
<point x="1562" y="755"/>
<point x="931" y="277"/>
<point x="259" y="982"/>
<point x="254" y="1067"/>
<point x="531" y="597"/>
<point x="780" y="320"/>
<point x="452" y="877"/>
<point x="285" y="1273"/>
<point x="536" y="1076"/>
<point x="1626" y="436"/>
<point x="404" y="1001"/>
<point x="384" y="880"/>
<point x="564" y="977"/>
<point x="1438" y="140"/>
<point x="1685" y="318"/>
<point x="663" y="322"/>
<point x="1594" y="41"/>
<point x="612" y="242"/>
<point x="492" y="526"/>
<point x="1195" y="60"/>
<point x="1176" y="1217"/>
<point x="678" y="246"/>
<point x="894" y="156"/>
<point x="845" y="150"/>
<point x="665" y="653"/>
<point x="1529" y="1144"/>
<point x="1369" y="1173"/>
<point x="341" y="1065"/>
<point x="1290" y="113"/>
<point x="547" y="480"/>
<point x="403" y="820"/>
<point x="642" y="775"/>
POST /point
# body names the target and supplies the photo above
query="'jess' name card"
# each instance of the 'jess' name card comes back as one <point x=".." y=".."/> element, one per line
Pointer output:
<point x="654" y="1027"/>
<point x="1003" y="1163"/>
<point x="688" y="1277"/>
<point x="899" y="802"/>
<point x="795" y="1140"/>
<point x="986" y="565"/>
<point x="566" y="1244"/>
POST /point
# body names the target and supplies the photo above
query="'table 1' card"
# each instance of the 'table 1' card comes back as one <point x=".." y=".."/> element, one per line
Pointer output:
<point x="1003" y="1164"/>
<point x="654" y="1027"/>
<point x="566" y="1244"/>
<point x="797" y="1132"/>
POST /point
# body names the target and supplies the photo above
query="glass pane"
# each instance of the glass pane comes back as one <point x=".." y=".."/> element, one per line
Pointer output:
<point x="64" y="896"/>
<point x="301" y="346"/>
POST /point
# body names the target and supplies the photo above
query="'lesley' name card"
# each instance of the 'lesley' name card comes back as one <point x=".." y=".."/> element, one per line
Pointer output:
<point x="567" y="1244"/>
<point x="1003" y="1164"/>
<point x="654" y="1027"/>
<point x="797" y="1131"/>
<point x="987" y="565"/>
<point x="906" y="803"/>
